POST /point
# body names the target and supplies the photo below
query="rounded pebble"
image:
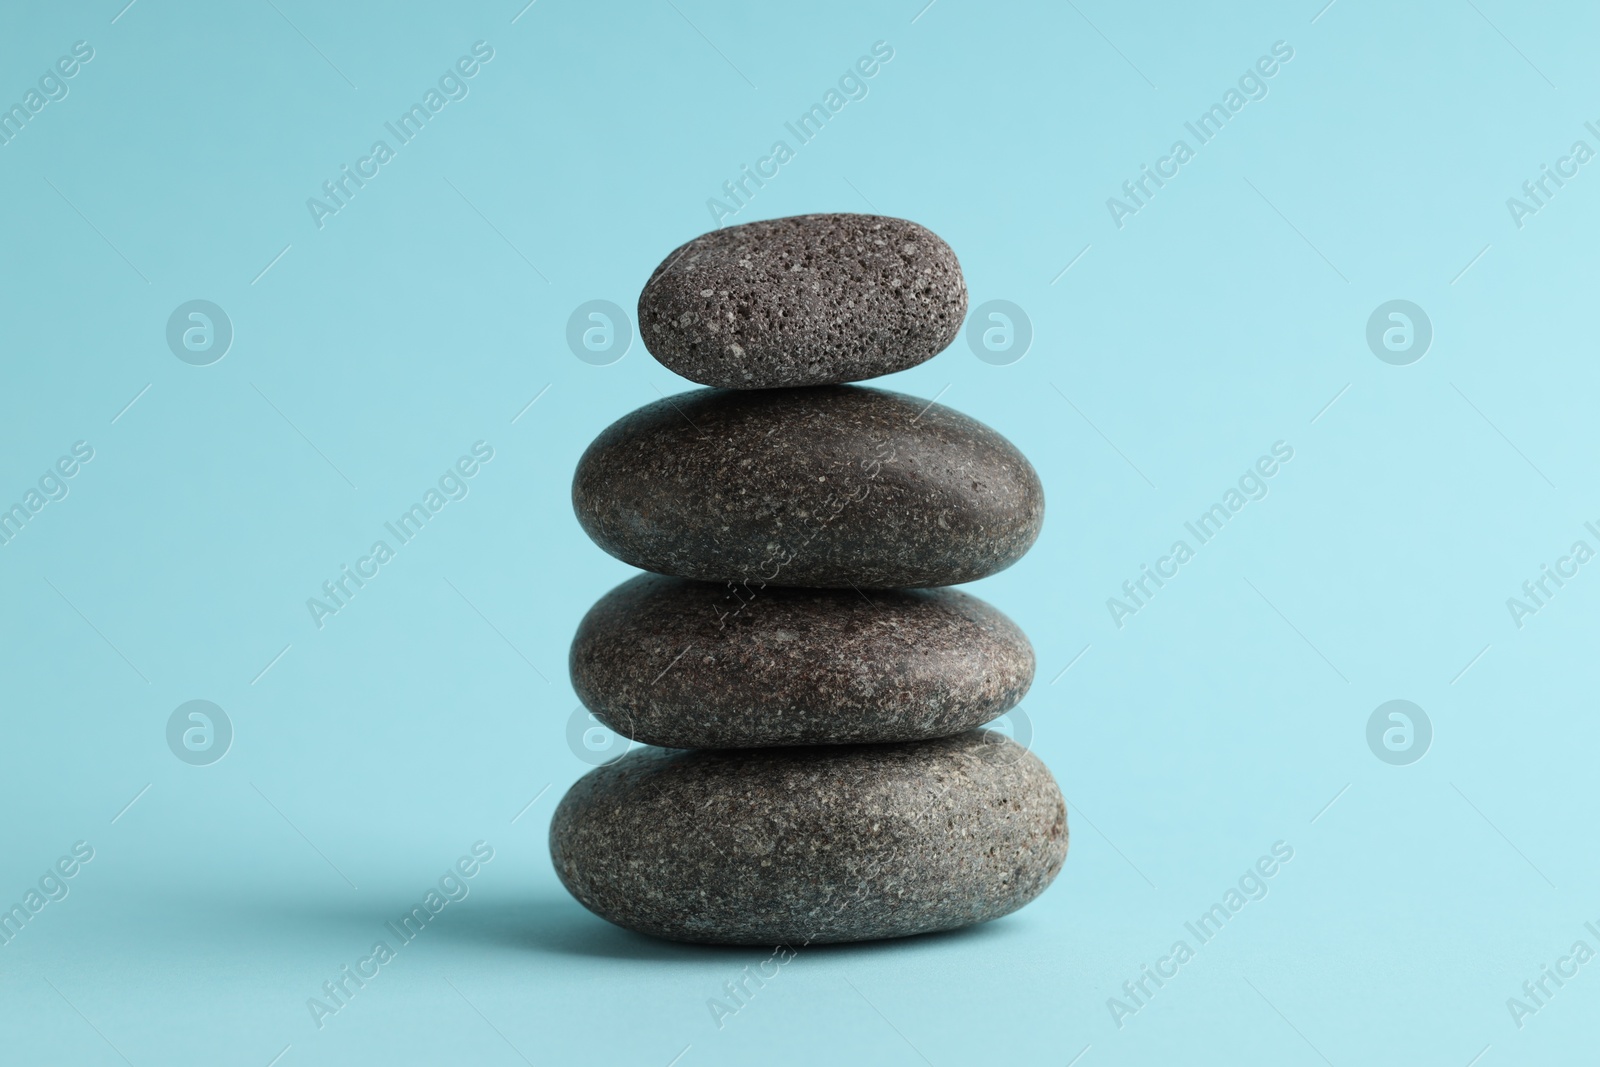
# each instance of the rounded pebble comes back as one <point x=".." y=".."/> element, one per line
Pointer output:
<point x="806" y="300"/>
<point x="685" y="664"/>
<point x="831" y="486"/>
<point x="805" y="845"/>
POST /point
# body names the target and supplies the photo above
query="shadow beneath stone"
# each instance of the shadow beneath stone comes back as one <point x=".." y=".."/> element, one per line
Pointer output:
<point x="559" y="925"/>
<point x="555" y="925"/>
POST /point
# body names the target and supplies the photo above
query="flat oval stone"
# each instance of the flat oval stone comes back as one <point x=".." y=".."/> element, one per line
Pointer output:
<point x="831" y="486"/>
<point x="806" y="300"/>
<point x="806" y="845"/>
<point x="685" y="664"/>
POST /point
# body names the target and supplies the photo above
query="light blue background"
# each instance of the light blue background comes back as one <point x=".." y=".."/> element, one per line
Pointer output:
<point x="1223" y="317"/>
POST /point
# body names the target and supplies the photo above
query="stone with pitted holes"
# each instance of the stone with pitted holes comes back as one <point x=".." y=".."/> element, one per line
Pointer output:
<point x="685" y="664"/>
<point x="805" y="300"/>
<point x="833" y="486"/>
<point x="808" y="845"/>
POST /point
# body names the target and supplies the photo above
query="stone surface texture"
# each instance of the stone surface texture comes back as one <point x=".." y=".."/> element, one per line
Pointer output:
<point x="685" y="664"/>
<point x="830" y="486"/>
<point x="808" y="845"/>
<point x="806" y="300"/>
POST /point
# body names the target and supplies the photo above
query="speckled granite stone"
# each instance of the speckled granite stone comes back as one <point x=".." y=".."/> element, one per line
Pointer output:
<point x="804" y="845"/>
<point x="828" y="486"/>
<point x="685" y="664"/>
<point x="807" y="300"/>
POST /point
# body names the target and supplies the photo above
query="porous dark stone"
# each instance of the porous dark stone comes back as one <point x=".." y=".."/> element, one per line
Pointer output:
<point x="806" y="845"/>
<point x="830" y="486"/>
<point x="685" y="664"/>
<point x="806" y="300"/>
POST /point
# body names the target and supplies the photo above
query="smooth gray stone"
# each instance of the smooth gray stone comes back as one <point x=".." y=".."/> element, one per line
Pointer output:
<point x="805" y="845"/>
<point x="806" y="300"/>
<point x="685" y="664"/>
<point x="830" y="486"/>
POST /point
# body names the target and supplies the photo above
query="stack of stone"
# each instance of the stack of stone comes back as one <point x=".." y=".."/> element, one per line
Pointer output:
<point x="811" y="689"/>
